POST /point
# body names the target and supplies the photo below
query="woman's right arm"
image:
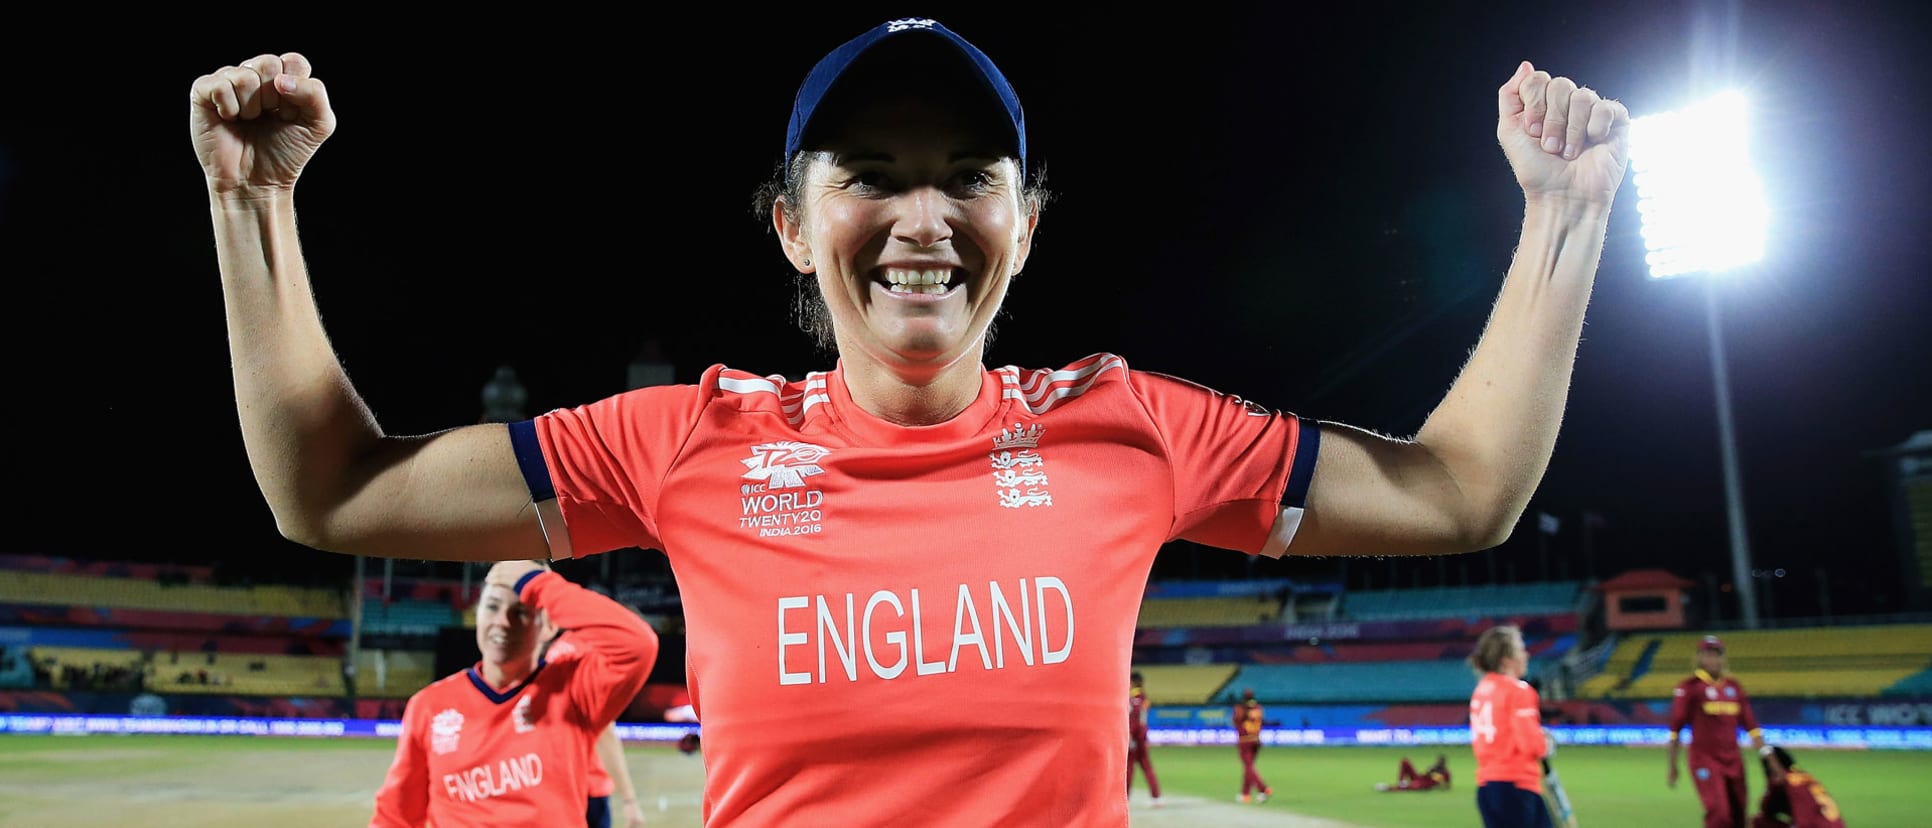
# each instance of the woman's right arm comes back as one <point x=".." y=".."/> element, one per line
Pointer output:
<point x="333" y="479"/>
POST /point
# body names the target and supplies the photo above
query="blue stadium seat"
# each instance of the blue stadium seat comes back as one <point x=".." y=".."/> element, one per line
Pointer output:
<point x="1461" y="602"/>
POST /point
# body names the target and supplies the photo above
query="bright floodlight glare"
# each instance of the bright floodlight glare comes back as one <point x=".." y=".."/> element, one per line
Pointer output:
<point x="1701" y="203"/>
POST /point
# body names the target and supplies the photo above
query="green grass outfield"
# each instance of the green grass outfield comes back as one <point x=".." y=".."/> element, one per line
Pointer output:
<point x="1609" y="786"/>
<point x="160" y="781"/>
<point x="179" y="781"/>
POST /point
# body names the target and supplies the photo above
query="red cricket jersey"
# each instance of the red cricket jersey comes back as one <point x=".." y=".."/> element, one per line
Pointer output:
<point x="1806" y="802"/>
<point x="876" y="612"/>
<point x="473" y="756"/>
<point x="1714" y="709"/>
<point x="1506" y="732"/>
<point x="600" y="783"/>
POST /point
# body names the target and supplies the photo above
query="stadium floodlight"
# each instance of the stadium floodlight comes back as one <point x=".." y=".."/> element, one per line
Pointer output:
<point x="1700" y="202"/>
<point x="1703" y="211"/>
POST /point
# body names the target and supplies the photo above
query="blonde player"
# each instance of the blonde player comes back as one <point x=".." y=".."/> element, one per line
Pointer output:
<point x="1506" y="733"/>
<point x="510" y="740"/>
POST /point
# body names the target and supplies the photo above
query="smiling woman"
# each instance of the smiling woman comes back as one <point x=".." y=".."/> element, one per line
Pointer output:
<point x="914" y="235"/>
<point x="901" y="151"/>
<point x="934" y="568"/>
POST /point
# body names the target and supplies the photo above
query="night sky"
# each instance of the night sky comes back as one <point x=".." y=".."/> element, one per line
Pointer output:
<point x="1305" y="207"/>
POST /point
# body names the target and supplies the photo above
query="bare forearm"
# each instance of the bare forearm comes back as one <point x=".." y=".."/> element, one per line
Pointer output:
<point x="1495" y="429"/>
<point x="302" y="422"/>
<point x="332" y="478"/>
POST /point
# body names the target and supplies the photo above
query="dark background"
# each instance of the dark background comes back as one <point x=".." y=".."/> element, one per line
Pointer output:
<point x="1304" y="206"/>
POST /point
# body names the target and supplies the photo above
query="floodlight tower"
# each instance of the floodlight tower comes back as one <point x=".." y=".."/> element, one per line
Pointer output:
<point x="1703" y="212"/>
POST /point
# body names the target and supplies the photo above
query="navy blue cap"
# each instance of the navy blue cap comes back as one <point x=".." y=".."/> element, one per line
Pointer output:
<point x="824" y="76"/>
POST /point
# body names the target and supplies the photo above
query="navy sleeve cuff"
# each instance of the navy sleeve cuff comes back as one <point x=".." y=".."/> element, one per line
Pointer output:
<point x="523" y="439"/>
<point x="1307" y="445"/>
<point x="526" y="579"/>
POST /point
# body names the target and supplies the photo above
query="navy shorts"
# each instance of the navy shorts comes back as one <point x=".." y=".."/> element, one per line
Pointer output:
<point x="1503" y="805"/>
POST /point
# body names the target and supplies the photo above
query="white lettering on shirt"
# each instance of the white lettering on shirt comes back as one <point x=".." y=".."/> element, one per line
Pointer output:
<point x="781" y="514"/>
<point x="1040" y="587"/>
<point x="1036" y="633"/>
<point x="786" y="639"/>
<point x="926" y="668"/>
<point x="1022" y="629"/>
<point x="487" y="781"/>
<point x="847" y="649"/>
<point x="963" y="609"/>
<point x="896" y="638"/>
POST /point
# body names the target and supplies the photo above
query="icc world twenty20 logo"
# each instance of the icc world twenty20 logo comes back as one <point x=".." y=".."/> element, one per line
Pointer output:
<point x="784" y="464"/>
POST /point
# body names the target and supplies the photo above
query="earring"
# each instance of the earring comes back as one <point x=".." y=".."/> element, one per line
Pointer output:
<point x="808" y="262"/>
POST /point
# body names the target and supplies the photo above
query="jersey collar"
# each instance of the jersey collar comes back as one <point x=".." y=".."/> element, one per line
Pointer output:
<point x="476" y="679"/>
<point x="1706" y="677"/>
<point x="857" y="423"/>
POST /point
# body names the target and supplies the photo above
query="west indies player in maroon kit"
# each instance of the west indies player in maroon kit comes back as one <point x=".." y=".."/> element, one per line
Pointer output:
<point x="1137" y="740"/>
<point x="1248" y="721"/>
<point x="1793" y="798"/>
<point x="1714" y="706"/>
<point x="1407" y="778"/>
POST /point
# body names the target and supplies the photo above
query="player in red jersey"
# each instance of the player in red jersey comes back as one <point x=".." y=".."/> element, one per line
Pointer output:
<point x="1506" y="733"/>
<point x="507" y="742"/>
<point x="608" y="755"/>
<point x="913" y="568"/>
<point x="1407" y="778"/>
<point x="1793" y="798"/>
<point x="1249" y="718"/>
<point x="1714" y="706"/>
<point x="1137" y="755"/>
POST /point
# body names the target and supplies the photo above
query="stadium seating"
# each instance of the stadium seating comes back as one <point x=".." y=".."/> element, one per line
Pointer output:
<point x="1378" y="682"/>
<point x="85" y="668"/>
<point x="1187" y="684"/>
<point x="247" y="674"/>
<point x="1311" y="607"/>
<point x="46" y="588"/>
<point x="1461" y="602"/>
<point x="1216" y="611"/>
<point x="1918" y="685"/>
<point x="1809" y="662"/>
<point x="1540" y="648"/>
<point x="16" y="671"/>
<point x="406" y="617"/>
<point x="91" y="635"/>
<point x="1295" y="644"/>
<point x="393" y="674"/>
<point x="243" y="674"/>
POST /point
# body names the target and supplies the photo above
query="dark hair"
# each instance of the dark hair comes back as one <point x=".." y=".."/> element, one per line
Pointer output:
<point x="785" y="190"/>
<point x="1776" y="801"/>
<point x="1136" y="677"/>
